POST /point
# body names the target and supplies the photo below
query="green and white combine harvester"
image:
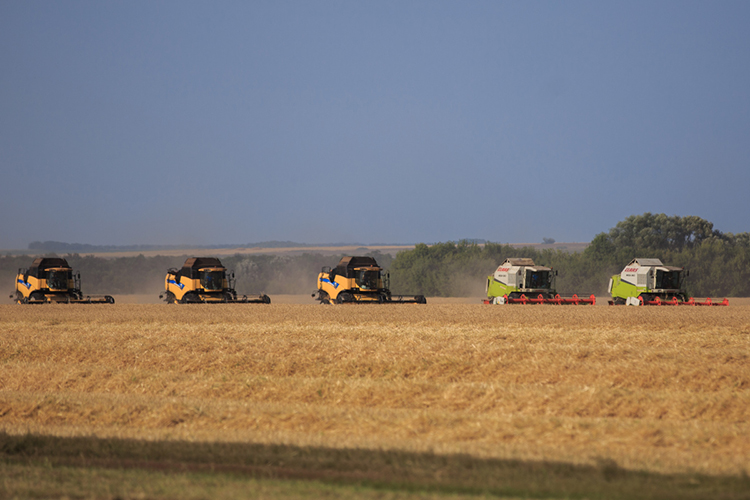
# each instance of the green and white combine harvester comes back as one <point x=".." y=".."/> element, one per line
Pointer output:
<point x="648" y="282"/>
<point x="520" y="281"/>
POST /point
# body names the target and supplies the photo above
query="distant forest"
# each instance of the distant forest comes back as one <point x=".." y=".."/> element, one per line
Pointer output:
<point x="719" y="263"/>
<point x="60" y="247"/>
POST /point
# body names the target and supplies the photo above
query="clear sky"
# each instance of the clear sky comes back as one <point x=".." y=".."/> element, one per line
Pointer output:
<point x="183" y="122"/>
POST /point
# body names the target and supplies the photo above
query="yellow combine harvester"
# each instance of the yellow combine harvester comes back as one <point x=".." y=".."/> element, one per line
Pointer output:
<point x="203" y="280"/>
<point x="358" y="280"/>
<point x="52" y="280"/>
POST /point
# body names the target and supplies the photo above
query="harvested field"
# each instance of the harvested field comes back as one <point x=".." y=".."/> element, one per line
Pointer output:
<point x="664" y="390"/>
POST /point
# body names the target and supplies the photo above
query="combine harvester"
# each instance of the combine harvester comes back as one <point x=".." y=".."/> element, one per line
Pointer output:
<point x="358" y="280"/>
<point x="520" y="281"/>
<point x="203" y="280"/>
<point x="52" y="280"/>
<point x="648" y="282"/>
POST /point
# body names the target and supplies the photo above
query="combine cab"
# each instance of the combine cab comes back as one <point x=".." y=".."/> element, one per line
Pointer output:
<point x="358" y="280"/>
<point x="648" y="282"/>
<point x="203" y="280"/>
<point x="520" y="281"/>
<point x="51" y="280"/>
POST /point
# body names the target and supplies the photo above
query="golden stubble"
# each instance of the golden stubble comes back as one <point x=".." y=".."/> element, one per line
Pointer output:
<point x="664" y="389"/>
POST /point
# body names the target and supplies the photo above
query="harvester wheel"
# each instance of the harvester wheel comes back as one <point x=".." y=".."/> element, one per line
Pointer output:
<point x="344" y="298"/>
<point x="191" y="298"/>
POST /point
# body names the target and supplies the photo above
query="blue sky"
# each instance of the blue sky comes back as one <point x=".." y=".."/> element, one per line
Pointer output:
<point x="400" y="122"/>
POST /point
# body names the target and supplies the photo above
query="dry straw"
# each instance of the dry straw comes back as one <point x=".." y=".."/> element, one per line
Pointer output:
<point x="665" y="389"/>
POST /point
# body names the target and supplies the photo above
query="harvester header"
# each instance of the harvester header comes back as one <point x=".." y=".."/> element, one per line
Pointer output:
<point x="520" y="281"/>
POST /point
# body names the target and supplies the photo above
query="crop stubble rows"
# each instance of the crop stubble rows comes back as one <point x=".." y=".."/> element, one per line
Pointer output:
<point x="664" y="389"/>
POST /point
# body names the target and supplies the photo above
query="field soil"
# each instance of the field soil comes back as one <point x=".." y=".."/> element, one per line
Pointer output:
<point x="664" y="390"/>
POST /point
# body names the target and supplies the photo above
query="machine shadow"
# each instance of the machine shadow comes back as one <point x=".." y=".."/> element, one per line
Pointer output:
<point x="384" y="469"/>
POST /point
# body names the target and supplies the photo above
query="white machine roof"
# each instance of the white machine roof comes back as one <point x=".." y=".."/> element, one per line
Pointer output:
<point x="654" y="263"/>
<point x="520" y="261"/>
<point x="647" y="262"/>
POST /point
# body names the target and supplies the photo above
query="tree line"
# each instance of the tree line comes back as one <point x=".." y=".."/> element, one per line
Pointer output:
<point x="719" y="263"/>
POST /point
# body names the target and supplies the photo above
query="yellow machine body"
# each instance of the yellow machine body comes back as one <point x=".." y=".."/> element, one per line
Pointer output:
<point x="52" y="280"/>
<point x="362" y="287"/>
<point x="358" y="280"/>
<point x="204" y="280"/>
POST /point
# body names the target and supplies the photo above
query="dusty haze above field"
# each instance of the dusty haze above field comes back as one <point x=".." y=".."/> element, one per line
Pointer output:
<point x="323" y="250"/>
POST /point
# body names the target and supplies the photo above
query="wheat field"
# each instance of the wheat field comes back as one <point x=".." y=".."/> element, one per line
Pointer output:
<point x="658" y="389"/>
